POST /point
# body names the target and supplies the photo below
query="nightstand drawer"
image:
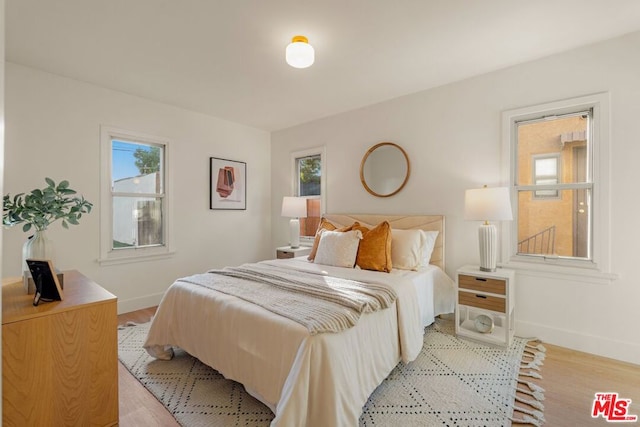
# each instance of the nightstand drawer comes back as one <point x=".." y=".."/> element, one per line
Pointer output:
<point x="289" y="252"/>
<point x="285" y="254"/>
<point x="482" y="301"/>
<point x="482" y="284"/>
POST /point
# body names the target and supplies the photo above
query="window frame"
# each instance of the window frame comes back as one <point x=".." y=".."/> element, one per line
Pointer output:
<point x="109" y="255"/>
<point x="598" y="268"/>
<point x="295" y="181"/>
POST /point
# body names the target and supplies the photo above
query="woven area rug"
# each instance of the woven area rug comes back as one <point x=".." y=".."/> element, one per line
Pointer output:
<point x="454" y="382"/>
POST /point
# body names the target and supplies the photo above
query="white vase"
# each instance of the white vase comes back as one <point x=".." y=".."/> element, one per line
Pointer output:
<point x="37" y="246"/>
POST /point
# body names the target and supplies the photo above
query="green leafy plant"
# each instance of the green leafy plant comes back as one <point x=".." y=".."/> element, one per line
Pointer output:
<point x="41" y="207"/>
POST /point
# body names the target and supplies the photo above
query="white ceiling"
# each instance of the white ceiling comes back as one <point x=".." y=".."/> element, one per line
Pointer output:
<point x="226" y="57"/>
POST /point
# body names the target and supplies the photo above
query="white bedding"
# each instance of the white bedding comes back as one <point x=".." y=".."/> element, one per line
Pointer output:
<point x="435" y="290"/>
<point x="317" y="380"/>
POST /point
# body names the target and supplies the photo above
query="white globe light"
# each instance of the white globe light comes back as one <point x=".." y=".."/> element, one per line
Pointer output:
<point x="300" y="53"/>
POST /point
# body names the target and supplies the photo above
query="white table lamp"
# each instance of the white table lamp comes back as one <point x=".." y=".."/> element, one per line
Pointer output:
<point x="294" y="208"/>
<point x="488" y="204"/>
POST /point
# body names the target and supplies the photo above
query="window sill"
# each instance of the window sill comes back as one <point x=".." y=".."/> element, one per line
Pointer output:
<point x="137" y="257"/>
<point x="561" y="270"/>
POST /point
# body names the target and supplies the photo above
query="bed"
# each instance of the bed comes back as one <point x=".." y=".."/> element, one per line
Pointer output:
<point x="307" y="378"/>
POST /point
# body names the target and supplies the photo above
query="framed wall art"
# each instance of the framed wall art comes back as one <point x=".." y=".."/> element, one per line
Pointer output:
<point x="227" y="184"/>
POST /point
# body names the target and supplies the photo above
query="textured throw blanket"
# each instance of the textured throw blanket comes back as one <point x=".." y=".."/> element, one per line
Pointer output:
<point x="319" y="302"/>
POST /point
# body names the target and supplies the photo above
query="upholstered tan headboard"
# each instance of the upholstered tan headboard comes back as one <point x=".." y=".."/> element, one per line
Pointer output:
<point x="403" y="222"/>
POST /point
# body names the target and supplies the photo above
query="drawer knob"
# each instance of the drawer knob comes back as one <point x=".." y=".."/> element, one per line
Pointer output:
<point x="481" y="296"/>
<point x="481" y="279"/>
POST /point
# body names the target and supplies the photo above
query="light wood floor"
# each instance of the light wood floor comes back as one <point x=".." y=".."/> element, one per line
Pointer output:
<point x="570" y="380"/>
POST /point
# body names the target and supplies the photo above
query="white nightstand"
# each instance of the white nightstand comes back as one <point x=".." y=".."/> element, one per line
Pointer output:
<point x="289" y="252"/>
<point x="491" y="294"/>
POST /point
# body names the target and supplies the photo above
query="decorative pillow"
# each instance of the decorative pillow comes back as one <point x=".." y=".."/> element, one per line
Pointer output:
<point x="374" y="252"/>
<point x="406" y="248"/>
<point x="429" y="244"/>
<point x="338" y="248"/>
<point x="324" y="225"/>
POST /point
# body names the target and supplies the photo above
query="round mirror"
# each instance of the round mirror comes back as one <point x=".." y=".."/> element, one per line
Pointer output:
<point x="384" y="169"/>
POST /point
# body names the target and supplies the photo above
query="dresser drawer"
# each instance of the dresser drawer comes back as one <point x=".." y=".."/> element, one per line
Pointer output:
<point x="482" y="284"/>
<point x="487" y="302"/>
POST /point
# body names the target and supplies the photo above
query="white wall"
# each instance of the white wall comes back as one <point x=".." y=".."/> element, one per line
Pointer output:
<point x="53" y="129"/>
<point x="452" y="136"/>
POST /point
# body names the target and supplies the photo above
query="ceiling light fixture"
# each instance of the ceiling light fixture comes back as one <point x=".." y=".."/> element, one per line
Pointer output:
<point x="300" y="53"/>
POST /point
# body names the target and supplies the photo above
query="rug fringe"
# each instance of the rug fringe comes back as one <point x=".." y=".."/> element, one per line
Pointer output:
<point x="538" y="347"/>
<point x="531" y="374"/>
<point x="535" y="394"/>
<point x="533" y="357"/>
<point x="127" y="325"/>
<point x="534" y="364"/>
<point x="531" y="402"/>
<point x="534" y="389"/>
<point x="131" y="323"/>
<point x="534" y="416"/>
<point x="526" y="419"/>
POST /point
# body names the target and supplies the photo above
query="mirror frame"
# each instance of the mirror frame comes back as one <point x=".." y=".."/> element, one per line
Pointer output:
<point x="366" y="156"/>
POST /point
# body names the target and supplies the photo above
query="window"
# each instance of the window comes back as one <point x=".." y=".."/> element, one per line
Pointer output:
<point x="134" y="206"/>
<point x="308" y="182"/>
<point x="558" y="159"/>
<point x="554" y="210"/>
<point x="546" y="171"/>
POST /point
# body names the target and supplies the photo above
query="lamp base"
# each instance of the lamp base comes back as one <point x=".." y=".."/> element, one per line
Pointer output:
<point x="487" y="237"/>
<point x="294" y="232"/>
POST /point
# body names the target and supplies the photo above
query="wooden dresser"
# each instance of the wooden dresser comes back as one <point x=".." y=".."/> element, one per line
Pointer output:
<point x="60" y="359"/>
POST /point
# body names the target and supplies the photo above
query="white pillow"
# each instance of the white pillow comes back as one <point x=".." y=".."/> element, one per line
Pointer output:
<point x="338" y="248"/>
<point x="406" y="248"/>
<point x="429" y="244"/>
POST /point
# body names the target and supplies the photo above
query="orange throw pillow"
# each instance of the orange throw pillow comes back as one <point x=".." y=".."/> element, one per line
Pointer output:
<point x="374" y="252"/>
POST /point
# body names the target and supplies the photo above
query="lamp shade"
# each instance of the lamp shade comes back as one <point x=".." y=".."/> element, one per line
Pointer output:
<point x="294" y="207"/>
<point x="487" y="204"/>
<point x="299" y="53"/>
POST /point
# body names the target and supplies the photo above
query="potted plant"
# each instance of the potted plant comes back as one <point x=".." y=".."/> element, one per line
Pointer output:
<point x="40" y="208"/>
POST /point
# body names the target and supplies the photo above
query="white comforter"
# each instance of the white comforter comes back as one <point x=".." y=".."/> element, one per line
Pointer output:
<point x="321" y="380"/>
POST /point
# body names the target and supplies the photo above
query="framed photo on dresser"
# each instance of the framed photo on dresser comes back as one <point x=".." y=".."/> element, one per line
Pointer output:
<point x="46" y="281"/>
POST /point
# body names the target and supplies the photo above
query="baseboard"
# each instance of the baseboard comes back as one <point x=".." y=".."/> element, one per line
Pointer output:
<point x="127" y="306"/>
<point x="600" y="346"/>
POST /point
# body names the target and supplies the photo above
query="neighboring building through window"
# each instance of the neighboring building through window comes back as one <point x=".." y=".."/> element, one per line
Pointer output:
<point x="137" y="193"/>
<point x="309" y="183"/>
<point x="554" y="209"/>
<point x="134" y="202"/>
<point x="546" y="170"/>
<point x="559" y="174"/>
